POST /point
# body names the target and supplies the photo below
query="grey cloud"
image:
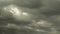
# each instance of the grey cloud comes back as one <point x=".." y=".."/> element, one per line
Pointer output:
<point x="28" y="3"/>
<point x="44" y="11"/>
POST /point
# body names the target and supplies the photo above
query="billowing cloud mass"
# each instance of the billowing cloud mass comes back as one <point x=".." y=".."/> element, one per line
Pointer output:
<point x="29" y="16"/>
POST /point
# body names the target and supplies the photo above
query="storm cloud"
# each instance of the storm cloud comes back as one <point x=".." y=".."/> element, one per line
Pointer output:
<point x="30" y="16"/>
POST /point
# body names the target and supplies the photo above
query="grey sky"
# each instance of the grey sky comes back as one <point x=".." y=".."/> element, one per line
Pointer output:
<point x="30" y="16"/>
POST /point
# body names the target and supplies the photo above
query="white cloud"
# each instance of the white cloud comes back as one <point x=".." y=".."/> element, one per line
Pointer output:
<point x="42" y="23"/>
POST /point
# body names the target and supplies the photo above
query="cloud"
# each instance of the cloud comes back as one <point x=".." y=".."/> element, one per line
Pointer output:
<point x="28" y="3"/>
<point x="45" y="15"/>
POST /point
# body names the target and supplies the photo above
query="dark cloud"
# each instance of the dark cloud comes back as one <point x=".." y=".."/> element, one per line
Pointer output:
<point x="28" y="3"/>
<point x="43" y="17"/>
<point x="5" y="2"/>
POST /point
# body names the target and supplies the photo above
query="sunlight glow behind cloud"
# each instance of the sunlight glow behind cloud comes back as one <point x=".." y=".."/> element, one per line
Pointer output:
<point x="13" y="9"/>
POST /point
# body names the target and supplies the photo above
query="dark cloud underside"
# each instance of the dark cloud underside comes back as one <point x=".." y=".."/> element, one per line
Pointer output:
<point x="43" y="17"/>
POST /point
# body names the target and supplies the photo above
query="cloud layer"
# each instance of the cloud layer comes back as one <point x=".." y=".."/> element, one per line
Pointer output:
<point x="30" y="16"/>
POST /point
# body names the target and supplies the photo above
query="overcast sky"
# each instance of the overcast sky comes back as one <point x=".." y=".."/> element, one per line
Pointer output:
<point x="30" y="16"/>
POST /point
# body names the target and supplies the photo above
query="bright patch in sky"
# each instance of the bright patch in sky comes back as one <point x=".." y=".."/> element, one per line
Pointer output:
<point x="14" y="10"/>
<point x="24" y="13"/>
<point x="17" y="13"/>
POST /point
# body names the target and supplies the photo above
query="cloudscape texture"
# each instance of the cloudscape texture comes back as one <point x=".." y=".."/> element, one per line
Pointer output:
<point x="29" y="16"/>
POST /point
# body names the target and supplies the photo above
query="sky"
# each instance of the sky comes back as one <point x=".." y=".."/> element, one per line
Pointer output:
<point x="30" y="16"/>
